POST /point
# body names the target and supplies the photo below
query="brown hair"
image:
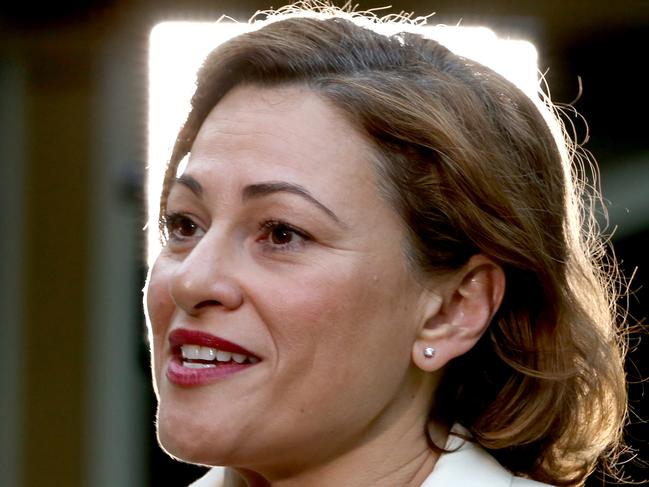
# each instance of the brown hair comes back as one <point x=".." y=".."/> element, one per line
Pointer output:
<point x="472" y="166"/>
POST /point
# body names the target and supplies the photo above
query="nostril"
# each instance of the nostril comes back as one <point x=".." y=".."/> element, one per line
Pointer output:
<point x="208" y="302"/>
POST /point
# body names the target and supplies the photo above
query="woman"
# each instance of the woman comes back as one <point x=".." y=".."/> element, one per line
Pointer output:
<point x="374" y="273"/>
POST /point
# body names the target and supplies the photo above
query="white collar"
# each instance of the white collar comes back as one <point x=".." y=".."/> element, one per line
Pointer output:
<point x="464" y="464"/>
<point x="467" y="464"/>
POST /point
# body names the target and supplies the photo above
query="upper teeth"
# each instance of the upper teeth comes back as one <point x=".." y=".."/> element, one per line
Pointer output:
<point x="197" y="352"/>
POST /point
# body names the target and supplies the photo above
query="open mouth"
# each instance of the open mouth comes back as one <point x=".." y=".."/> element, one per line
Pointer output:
<point x="201" y="357"/>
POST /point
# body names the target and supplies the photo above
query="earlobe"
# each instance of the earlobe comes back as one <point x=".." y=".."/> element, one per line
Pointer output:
<point x="469" y="302"/>
<point x="430" y="351"/>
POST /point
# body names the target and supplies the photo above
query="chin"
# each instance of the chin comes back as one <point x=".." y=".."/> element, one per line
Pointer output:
<point x="185" y="437"/>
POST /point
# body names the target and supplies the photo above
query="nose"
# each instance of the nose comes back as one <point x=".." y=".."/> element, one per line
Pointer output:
<point x="207" y="278"/>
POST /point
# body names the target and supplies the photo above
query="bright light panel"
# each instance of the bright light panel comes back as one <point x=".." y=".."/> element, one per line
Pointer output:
<point x="177" y="50"/>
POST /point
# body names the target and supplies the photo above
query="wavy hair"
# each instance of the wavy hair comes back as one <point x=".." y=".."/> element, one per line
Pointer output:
<point x="472" y="165"/>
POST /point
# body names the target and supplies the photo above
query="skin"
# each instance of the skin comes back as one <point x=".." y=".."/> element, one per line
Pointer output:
<point x="332" y="309"/>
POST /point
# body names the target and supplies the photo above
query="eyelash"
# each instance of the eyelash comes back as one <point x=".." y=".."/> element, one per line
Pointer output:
<point x="172" y="221"/>
<point x="170" y="224"/>
<point x="270" y="226"/>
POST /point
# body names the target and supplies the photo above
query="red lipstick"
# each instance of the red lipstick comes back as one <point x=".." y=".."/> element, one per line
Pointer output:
<point x="189" y="372"/>
<point x="182" y="336"/>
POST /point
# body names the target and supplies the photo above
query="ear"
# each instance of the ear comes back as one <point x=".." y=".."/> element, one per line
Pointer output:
<point x="470" y="299"/>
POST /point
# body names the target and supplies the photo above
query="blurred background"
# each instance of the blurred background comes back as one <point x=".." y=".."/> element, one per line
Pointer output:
<point x="76" y="406"/>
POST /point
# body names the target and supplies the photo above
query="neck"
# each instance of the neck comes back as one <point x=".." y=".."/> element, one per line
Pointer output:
<point x="390" y="451"/>
<point x="396" y="455"/>
<point x="395" y="470"/>
<point x="412" y="473"/>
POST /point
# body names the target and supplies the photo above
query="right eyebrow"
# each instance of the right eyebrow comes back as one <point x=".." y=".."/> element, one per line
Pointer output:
<point x="191" y="183"/>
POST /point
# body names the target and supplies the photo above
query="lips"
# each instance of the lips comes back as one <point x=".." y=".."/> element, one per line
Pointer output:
<point x="199" y="358"/>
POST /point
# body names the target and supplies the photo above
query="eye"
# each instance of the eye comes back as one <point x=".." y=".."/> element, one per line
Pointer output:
<point x="281" y="235"/>
<point x="180" y="227"/>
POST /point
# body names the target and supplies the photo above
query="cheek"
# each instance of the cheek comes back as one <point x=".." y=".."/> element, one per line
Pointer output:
<point x="313" y="310"/>
<point x="158" y="300"/>
<point x="334" y="336"/>
<point x="159" y="307"/>
<point x="343" y="321"/>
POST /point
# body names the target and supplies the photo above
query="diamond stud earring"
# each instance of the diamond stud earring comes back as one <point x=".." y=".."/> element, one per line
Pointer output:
<point x="429" y="352"/>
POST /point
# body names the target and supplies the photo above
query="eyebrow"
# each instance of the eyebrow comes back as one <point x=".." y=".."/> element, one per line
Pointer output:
<point x="264" y="189"/>
<point x="260" y="190"/>
<point x="191" y="183"/>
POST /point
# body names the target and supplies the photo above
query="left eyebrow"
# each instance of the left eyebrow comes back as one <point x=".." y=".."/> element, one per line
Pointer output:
<point x="264" y="189"/>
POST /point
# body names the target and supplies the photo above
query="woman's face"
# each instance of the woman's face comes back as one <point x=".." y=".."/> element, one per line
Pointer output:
<point x="280" y="249"/>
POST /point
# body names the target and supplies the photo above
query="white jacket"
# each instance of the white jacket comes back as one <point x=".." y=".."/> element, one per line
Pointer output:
<point x="468" y="466"/>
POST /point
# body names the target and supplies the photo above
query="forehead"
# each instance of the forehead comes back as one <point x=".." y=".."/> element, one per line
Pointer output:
<point x="291" y="130"/>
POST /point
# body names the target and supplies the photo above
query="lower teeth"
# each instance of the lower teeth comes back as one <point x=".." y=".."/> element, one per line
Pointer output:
<point x="192" y="365"/>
